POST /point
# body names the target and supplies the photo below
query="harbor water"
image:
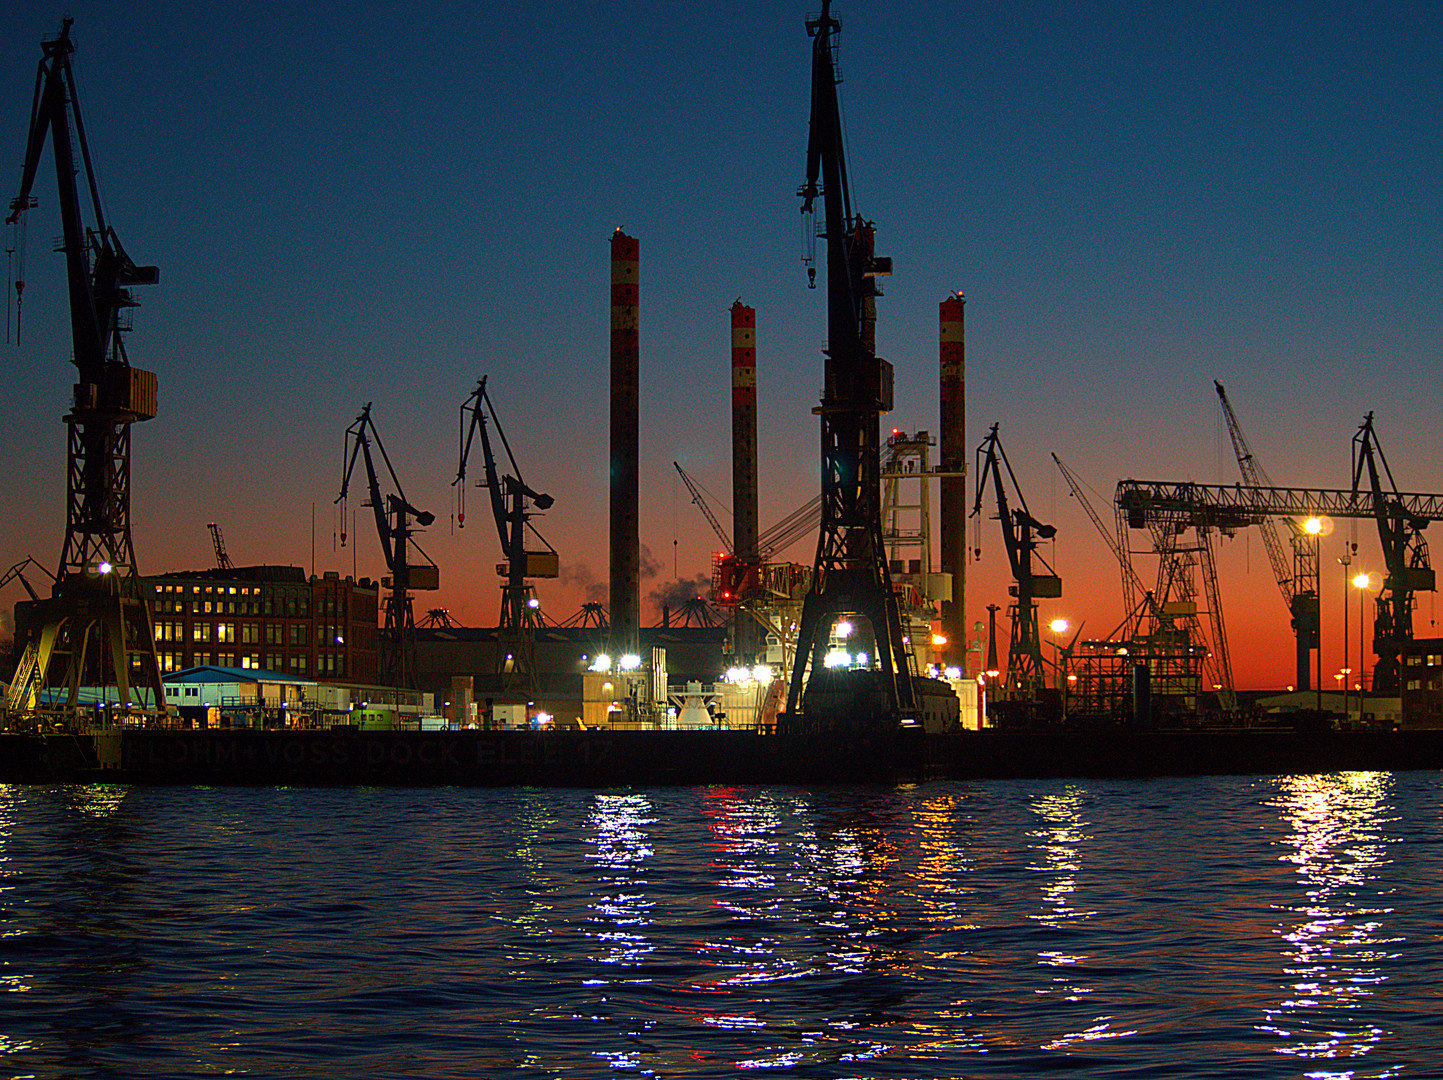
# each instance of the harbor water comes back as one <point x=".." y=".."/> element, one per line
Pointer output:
<point x="1212" y="927"/>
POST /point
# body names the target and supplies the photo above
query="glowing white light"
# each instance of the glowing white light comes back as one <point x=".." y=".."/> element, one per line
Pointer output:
<point x="762" y="673"/>
<point x="105" y="568"/>
<point x="1058" y="626"/>
<point x="533" y="603"/>
<point x="630" y="662"/>
<point x="861" y="659"/>
<point x="837" y="658"/>
<point x="954" y="673"/>
<point x="602" y="663"/>
<point x="844" y="629"/>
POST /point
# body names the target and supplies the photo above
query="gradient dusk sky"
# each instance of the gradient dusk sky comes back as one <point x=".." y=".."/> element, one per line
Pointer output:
<point x="383" y="202"/>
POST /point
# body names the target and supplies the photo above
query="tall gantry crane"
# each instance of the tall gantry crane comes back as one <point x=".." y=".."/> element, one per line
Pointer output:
<point x="95" y="629"/>
<point x="1297" y="581"/>
<point x="394" y="516"/>
<point x="1020" y="534"/>
<point x="1405" y="556"/>
<point x="513" y="505"/>
<point x="850" y="576"/>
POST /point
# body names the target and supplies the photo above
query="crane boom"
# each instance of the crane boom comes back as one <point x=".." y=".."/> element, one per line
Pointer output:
<point x="696" y="497"/>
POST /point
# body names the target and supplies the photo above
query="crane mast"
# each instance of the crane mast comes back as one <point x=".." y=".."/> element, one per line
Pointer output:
<point x="95" y="629"/>
<point x="850" y="576"/>
<point x="512" y="503"/>
<point x="393" y="515"/>
<point x="1298" y="582"/>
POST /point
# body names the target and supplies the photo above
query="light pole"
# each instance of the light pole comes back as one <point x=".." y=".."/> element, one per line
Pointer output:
<point x="1059" y="626"/>
<point x="1361" y="583"/>
<point x="1345" y="559"/>
<point x="1316" y="527"/>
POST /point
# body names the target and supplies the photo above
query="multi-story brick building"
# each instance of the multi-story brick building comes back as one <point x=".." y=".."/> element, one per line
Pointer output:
<point x="267" y="617"/>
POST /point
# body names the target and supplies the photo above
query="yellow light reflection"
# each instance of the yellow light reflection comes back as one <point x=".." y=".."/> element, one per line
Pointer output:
<point x="1335" y="935"/>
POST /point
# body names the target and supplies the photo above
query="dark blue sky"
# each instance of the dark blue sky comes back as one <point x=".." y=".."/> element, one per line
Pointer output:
<point x="380" y="204"/>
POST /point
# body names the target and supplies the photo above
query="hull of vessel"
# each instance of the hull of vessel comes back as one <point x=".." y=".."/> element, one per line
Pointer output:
<point x="647" y="758"/>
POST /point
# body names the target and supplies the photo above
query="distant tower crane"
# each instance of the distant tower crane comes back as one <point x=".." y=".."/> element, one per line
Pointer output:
<point x="1405" y="555"/>
<point x="1020" y="533"/>
<point x="96" y="626"/>
<point x="513" y="504"/>
<point x="1298" y="582"/>
<point x="222" y="560"/>
<point x="393" y="525"/>
<point x="850" y="576"/>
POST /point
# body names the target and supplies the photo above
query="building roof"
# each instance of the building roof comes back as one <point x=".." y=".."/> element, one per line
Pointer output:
<point x="209" y="673"/>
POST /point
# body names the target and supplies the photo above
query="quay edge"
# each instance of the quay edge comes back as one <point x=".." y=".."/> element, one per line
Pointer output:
<point x="340" y="757"/>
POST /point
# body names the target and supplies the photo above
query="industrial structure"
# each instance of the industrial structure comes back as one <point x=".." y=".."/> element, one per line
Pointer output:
<point x="1297" y="578"/>
<point x="1025" y="676"/>
<point x="513" y="505"/>
<point x="95" y="628"/>
<point x="625" y="591"/>
<point x="394" y="516"/>
<point x="952" y="470"/>
<point x="746" y="632"/>
<point x="850" y="576"/>
<point x="1173" y="509"/>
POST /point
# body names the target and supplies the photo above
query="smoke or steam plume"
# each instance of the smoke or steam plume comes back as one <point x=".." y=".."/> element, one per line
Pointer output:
<point x="579" y="576"/>
<point x="676" y="593"/>
<point x="650" y="565"/>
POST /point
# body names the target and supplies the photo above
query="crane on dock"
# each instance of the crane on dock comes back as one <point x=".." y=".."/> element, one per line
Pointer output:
<point x="1405" y="557"/>
<point x="513" y="504"/>
<point x="1021" y="531"/>
<point x="95" y="628"/>
<point x="394" y="516"/>
<point x="850" y="578"/>
<point x="1298" y="581"/>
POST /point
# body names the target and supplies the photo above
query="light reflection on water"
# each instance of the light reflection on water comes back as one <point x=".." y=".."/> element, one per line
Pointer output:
<point x="1190" y="928"/>
<point x="1336" y="938"/>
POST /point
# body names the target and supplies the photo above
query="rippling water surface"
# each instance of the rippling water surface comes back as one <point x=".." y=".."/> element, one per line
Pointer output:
<point x="1226" y="927"/>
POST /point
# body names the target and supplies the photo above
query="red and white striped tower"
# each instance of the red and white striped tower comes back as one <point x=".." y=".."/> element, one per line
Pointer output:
<point x="625" y="412"/>
<point x="746" y="631"/>
<point x="953" y="446"/>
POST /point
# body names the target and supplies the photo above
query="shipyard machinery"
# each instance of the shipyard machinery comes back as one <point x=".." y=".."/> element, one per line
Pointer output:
<point x="1020" y="533"/>
<point x="1405" y="556"/>
<point x="1298" y="579"/>
<point x="513" y="505"/>
<point x="850" y="576"/>
<point x="394" y="516"/>
<point x="95" y="628"/>
<point x="1401" y="518"/>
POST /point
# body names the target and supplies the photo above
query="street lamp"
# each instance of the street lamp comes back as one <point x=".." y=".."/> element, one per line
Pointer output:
<point x="1362" y="583"/>
<point x="1345" y="559"/>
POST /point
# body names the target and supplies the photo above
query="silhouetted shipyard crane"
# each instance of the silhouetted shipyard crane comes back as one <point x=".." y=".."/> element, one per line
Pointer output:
<point x="1020" y="533"/>
<point x="513" y="504"/>
<point x="95" y="627"/>
<point x="1401" y="518"/>
<point x="1298" y="580"/>
<point x="850" y="576"/>
<point x="393" y="516"/>
<point x="1405" y="556"/>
